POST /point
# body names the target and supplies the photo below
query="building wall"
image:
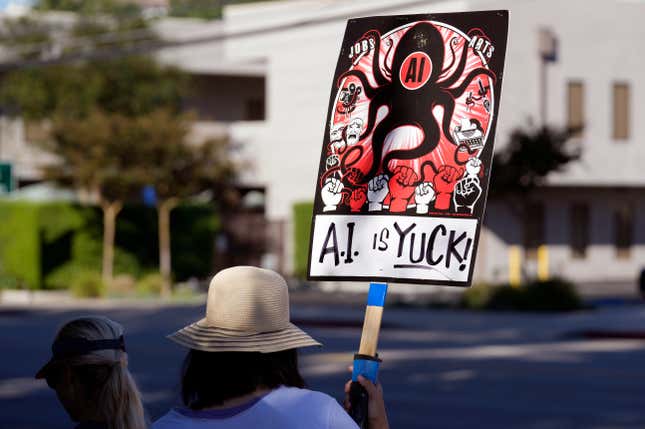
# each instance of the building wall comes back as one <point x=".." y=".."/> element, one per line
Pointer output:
<point x="601" y="264"/>
<point x="300" y="60"/>
<point x="225" y="98"/>
<point x="599" y="44"/>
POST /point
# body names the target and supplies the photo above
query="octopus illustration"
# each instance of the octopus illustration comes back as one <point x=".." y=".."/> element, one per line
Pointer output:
<point x="442" y="86"/>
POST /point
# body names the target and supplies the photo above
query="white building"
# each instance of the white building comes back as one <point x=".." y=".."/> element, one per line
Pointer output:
<point x="265" y="71"/>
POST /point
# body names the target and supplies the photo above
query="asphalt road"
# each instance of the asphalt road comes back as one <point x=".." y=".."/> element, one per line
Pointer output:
<point x="442" y="368"/>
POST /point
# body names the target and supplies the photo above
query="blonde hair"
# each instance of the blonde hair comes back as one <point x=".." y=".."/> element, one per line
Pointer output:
<point x="105" y="373"/>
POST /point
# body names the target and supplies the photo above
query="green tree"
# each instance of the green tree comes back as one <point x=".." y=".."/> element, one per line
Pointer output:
<point x="522" y="167"/>
<point x="99" y="156"/>
<point x="178" y="168"/>
<point x="204" y="9"/>
<point x="91" y="107"/>
<point x="524" y="164"/>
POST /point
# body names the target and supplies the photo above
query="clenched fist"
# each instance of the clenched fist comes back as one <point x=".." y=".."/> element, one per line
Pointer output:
<point x="444" y="184"/>
<point x="423" y="194"/>
<point x="467" y="192"/>
<point x="357" y="199"/>
<point x="473" y="167"/>
<point x="377" y="190"/>
<point x="331" y="193"/>
<point x="402" y="186"/>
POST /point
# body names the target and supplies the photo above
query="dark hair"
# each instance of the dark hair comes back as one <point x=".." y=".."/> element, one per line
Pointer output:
<point x="210" y="378"/>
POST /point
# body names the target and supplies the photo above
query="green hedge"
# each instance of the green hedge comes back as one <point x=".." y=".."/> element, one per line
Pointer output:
<point x="550" y="295"/>
<point x="302" y="213"/>
<point x="33" y="239"/>
<point x="46" y="245"/>
<point x="19" y="236"/>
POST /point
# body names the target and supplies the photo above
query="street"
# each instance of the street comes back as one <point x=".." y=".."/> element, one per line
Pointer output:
<point x="441" y="368"/>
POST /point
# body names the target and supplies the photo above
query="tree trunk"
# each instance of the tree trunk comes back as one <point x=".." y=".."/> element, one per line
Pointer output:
<point x="110" y="212"/>
<point x="165" y="258"/>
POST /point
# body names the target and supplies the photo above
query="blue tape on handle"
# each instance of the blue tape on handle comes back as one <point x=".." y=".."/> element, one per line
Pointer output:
<point x="367" y="368"/>
<point x="376" y="295"/>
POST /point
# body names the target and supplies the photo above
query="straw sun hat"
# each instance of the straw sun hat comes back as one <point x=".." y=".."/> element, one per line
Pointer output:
<point x="247" y="311"/>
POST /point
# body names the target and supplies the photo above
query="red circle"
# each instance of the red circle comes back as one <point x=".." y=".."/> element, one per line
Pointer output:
<point x="415" y="70"/>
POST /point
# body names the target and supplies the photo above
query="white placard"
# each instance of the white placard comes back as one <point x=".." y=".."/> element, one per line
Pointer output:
<point x="393" y="247"/>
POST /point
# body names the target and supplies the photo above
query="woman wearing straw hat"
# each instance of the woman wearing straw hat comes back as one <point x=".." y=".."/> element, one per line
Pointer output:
<point x="88" y="370"/>
<point x="241" y="370"/>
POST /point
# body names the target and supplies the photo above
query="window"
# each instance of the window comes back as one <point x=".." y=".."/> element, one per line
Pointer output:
<point x="533" y="230"/>
<point x="623" y="231"/>
<point x="621" y="111"/>
<point x="575" y="106"/>
<point x="254" y="109"/>
<point x="579" y="227"/>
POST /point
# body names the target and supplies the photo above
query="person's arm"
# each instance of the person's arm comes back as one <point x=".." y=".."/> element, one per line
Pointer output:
<point x="376" y="413"/>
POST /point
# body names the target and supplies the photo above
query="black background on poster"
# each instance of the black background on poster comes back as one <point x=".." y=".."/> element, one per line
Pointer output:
<point x="494" y="25"/>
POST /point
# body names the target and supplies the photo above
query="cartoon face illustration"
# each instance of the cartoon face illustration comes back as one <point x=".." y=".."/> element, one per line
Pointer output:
<point x="470" y="133"/>
<point x="336" y="134"/>
<point x="354" y="130"/>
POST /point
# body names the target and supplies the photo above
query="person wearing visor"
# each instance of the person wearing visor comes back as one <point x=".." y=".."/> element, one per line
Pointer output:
<point x="88" y="370"/>
<point x="241" y="369"/>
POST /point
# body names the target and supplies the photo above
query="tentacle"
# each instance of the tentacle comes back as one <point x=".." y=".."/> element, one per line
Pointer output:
<point x="346" y="195"/>
<point x="343" y="162"/>
<point x="428" y="144"/>
<point x="453" y="42"/>
<point x="388" y="69"/>
<point x="326" y="174"/>
<point x="430" y="164"/>
<point x="457" y="92"/>
<point x="376" y="63"/>
<point x="374" y="106"/>
<point x="446" y="101"/>
<point x="378" y="140"/>
<point x="458" y="71"/>
<point x="369" y="91"/>
<point x="478" y="32"/>
<point x="468" y="151"/>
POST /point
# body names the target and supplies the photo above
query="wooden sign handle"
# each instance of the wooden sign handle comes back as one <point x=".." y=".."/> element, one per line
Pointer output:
<point x="366" y="362"/>
<point x="372" y="321"/>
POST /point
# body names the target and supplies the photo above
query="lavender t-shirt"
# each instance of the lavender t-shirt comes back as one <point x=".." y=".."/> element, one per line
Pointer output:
<point x="282" y="408"/>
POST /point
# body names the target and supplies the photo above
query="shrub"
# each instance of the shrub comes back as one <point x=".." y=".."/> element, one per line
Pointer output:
<point x="506" y="297"/>
<point x="150" y="284"/>
<point x="550" y="295"/>
<point x="302" y="213"/>
<point x="122" y="285"/>
<point x="8" y="281"/>
<point x="19" y="242"/>
<point x="476" y="297"/>
<point x="88" y="284"/>
<point x="44" y="244"/>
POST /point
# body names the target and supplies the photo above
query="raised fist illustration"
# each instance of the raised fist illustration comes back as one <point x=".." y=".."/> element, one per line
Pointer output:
<point x="467" y="192"/>
<point x="354" y="176"/>
<point x="444" y="184"/>
<point x="357" y="199"/>
<point x="473" y="167"/>
<point x="331" y="194"/>
<point x="402" y="186"/>
<point x="423" y="195"/>
<point x="332" y="161"/>
<point x="377" y="190"/>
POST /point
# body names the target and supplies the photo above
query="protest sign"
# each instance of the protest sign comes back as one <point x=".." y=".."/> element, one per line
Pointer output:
<point x="407" y="151"/>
